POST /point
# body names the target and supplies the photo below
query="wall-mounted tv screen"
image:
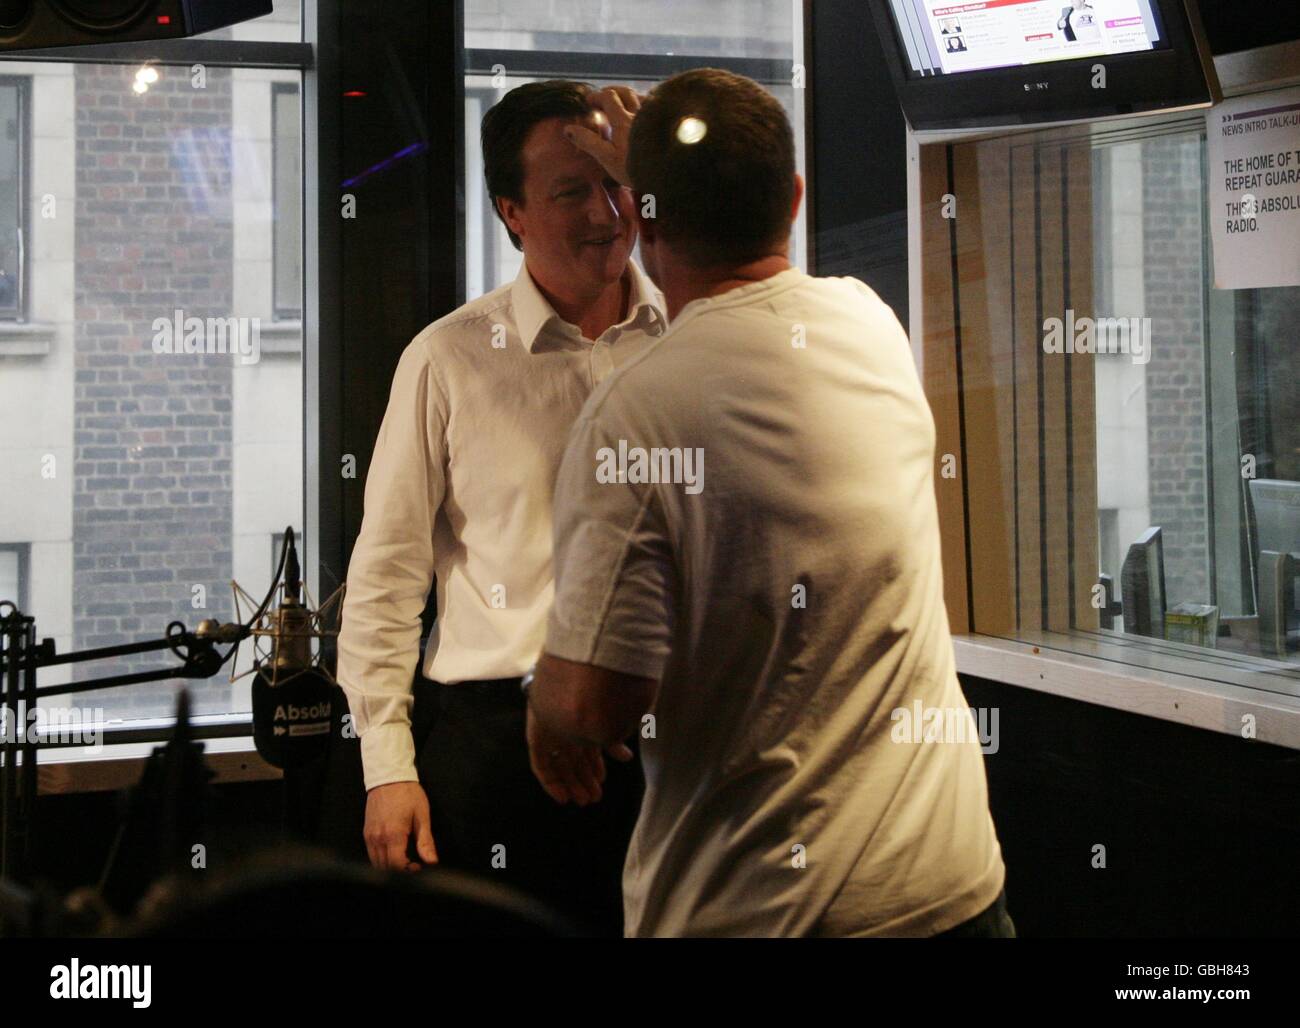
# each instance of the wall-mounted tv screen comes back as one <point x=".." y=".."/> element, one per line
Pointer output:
<point x="992" y="63"/>
<point x="945" y="38"/>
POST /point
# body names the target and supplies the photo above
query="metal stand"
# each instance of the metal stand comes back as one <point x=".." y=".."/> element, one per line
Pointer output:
<point x="20" y="658"/>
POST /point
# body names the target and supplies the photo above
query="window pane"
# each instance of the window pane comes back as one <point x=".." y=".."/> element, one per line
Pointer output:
<point x="1199" y="437"/>
<point x="731" y="28"/>
<point x="594" y="38"/>
<point x="153" y="441"/>
<point x="13" y="135"/>
<point x="287" y="158"/>
<point x="1152" y="418"/>
<point x="9" y="584"/>
<point x="1131" y="431"/>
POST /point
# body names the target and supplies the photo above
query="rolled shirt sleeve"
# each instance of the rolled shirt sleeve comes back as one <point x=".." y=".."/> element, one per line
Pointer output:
<point x="615" y="577"/>
<point x="392" y="568"/>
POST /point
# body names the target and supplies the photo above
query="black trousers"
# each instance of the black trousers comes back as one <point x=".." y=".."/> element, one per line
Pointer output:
<point x="992" y="923"/>
<point x="490" y="815"/>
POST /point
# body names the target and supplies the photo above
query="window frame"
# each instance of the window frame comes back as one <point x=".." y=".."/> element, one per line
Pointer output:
<point x="329" y="426"/>
<point x="602" y="66"/>
<point x="234" y="54"/>
<point x="1208" y="689"/>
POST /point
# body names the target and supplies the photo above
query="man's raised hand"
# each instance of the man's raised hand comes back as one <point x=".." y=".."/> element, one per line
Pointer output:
<point x="613" y="108"/>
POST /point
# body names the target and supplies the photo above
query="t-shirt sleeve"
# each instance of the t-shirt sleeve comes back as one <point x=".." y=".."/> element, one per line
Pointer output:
<point x="615" y="579"/>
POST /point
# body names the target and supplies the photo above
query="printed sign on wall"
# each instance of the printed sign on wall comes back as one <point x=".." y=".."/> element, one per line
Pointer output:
<point x="1254" y="168"/>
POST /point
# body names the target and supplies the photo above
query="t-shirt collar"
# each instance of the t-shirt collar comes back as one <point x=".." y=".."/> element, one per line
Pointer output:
<point x="741" y="294"/>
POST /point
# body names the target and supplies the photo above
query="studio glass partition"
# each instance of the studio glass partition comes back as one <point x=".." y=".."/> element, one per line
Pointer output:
<point x="1119" y="441"/>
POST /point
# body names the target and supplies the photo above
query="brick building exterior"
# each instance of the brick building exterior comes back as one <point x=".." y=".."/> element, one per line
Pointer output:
<point x="152" y="437"/>
<point x="1174" y="274"/>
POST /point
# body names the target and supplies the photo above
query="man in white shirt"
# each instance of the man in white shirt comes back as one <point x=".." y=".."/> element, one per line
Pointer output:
<point x="748" y="569"/>
<point x="459" y="491"/>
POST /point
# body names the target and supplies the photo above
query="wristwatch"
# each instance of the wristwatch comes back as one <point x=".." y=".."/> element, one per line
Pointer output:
<point x="527" y="680"/>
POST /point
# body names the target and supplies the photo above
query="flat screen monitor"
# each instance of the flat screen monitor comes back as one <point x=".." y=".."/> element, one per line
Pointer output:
<point x="1011" y="63"/>
<point x="1142" y="586"/>
<point x="1277" y="514"/>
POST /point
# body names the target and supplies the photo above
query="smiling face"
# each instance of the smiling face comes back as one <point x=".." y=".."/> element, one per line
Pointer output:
<point x="577" y="225"/>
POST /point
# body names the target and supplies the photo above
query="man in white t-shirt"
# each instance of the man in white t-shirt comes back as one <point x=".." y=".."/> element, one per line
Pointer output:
<point x="748" y="569"/>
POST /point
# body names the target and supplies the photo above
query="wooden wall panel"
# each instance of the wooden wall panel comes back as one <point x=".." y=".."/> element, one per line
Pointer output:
<point x="1027" y="458"/>
<point x="1053" y="424"/>
<point x="1027" y="364"/>
<point x="982" y="187"/>
<point x="939" y="378"/>
<point x="1082" y="386"/>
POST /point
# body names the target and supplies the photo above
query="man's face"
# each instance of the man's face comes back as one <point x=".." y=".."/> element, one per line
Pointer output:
<point x="577" y="225"/>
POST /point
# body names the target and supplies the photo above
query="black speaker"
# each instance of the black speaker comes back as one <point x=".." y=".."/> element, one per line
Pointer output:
<point x="39" y="24"/>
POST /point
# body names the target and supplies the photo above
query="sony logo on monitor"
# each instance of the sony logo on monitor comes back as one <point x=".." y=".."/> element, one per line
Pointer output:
<point x="1029" y="86"/>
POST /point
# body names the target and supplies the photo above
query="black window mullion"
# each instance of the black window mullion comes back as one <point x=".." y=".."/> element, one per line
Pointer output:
<point x="215" y="53"/>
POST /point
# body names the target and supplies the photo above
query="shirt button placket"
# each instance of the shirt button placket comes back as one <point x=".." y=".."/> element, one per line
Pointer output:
<point x="601" y="361"/>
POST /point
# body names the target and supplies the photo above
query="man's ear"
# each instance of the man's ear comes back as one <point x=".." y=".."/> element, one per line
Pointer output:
<point x="509" y="211"/>
<point x="798" y="196"/>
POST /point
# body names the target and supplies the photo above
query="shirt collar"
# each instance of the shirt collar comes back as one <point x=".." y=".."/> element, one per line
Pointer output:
<point x="533" y="312"/>
<point x="647" y="302"/>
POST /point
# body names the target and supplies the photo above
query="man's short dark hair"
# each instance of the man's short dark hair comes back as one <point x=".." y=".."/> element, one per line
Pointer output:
<point x="725" y="199"/>
<point x="506" y="127"/>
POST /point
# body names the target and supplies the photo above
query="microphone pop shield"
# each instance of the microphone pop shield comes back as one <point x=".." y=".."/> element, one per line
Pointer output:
<point x="292" y="719"/>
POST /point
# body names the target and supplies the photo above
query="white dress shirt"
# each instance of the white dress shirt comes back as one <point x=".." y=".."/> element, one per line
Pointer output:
<point x="459" y="491"/>
<point x="778" y="572"/>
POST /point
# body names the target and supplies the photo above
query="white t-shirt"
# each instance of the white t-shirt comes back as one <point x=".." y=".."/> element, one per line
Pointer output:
<point x="1083" y="21"/>
<point x="780" y="573"/>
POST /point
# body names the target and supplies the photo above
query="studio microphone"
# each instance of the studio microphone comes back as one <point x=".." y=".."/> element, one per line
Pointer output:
<point x="293" y="691"/>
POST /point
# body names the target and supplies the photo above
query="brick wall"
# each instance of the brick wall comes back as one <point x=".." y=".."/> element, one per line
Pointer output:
<point x="152" y="436"/>
<point x="1174" y="278"/>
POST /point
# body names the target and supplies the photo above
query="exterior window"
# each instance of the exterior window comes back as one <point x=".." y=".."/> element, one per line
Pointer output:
<point x="14" y="560"/>
<point x="624" y="43"/>
<point x="158" y="443"/>
<point x="13" y="188"/>
<point x="286" y="130"/>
